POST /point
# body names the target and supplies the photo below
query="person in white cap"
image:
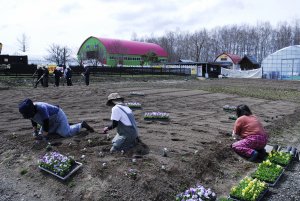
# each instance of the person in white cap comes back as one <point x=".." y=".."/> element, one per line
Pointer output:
<point x="122" y="119"/>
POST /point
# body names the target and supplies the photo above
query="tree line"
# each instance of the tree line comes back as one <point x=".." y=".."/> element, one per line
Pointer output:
<point x="204" y="45"/>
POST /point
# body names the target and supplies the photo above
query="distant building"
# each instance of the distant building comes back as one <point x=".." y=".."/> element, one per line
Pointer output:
<point x="248" y="63"/>
<point x="13" y="59"/>
<point x="113" y="52"/>
<point x="230" y="61"/>
<point x="283" y="64"/>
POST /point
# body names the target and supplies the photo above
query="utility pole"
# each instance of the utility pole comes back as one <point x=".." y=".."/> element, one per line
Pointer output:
<point x="64" y="56"/>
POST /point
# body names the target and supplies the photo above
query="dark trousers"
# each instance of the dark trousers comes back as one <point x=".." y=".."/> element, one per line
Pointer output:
<point x="87" y="80"/>
<point x="45" y="81"/>
<point x="57" y="82"/>
<point x="69" y="82"/>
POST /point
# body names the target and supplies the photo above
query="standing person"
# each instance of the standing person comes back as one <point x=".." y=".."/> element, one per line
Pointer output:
<point x="69" y="76"/>
<point x="57" y="75"/>
<point x="46" y="76"/>
<point x="122" y="119"/>
<point x="250" y="130"/>
<point x="40" y="73"/>
<point x="51" y="118"/>
<point x="86" y="75"/>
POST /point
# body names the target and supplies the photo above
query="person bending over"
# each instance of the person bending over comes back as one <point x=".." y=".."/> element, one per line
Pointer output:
<point x="252" y="138"/>
<point x="51" y="118"/>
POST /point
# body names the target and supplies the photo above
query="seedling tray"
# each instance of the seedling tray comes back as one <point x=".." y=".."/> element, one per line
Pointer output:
<point x="275" y="182"/>
<point x="75" y="167"/>
<point x="137" y="94"/>
<point x="136" y="108"/>
<point x="156" y="119"/>
<point x="258" y="199"/>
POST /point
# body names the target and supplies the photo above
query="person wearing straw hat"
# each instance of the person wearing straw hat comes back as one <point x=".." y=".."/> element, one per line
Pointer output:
<point x="51" y="118"/>
<point x="122" y="119"/>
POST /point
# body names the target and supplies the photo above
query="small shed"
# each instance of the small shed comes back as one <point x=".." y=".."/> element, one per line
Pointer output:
<point x="249" y="62"/>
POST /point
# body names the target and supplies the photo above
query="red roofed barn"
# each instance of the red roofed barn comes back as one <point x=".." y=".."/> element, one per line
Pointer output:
<point x="113" y="52"/>
<point x="229" y="60"/>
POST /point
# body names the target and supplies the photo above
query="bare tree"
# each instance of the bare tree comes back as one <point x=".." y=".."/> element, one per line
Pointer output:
<point x="94" y="57"/>
<point x="259" y="41"/>
<point x="59" y="54"/>
<point x="23" y="43"/>
<point x="150" y="58"/>
<point x="134" y="37"/>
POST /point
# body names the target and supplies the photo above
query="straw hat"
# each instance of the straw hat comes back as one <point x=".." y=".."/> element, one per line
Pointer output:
<point x="113" y="96"/>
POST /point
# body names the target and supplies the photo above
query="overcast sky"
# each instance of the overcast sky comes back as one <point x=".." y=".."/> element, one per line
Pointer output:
<point x="70" y="22"/>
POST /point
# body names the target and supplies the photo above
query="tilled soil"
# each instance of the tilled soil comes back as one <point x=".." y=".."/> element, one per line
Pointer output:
<point x="195" y="137"/>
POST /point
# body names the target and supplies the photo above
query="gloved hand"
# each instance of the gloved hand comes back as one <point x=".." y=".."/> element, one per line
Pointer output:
<point x="38" y="137"/>
<point x="235" y="136"/>
<point x="105" y="129"/>
<point x="35" y="133"/>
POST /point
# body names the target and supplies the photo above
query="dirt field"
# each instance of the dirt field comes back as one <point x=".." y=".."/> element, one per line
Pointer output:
<point x="198" y="147"/>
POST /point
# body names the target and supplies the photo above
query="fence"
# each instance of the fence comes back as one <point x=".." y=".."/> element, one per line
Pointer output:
<point x="28" y="70"/>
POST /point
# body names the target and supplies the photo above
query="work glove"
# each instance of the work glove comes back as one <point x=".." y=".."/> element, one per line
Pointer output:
<point x="35" y="133"/>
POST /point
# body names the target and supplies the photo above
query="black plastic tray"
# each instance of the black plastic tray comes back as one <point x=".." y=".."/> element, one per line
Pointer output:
<point x="258" y="199"/>
<point x="156" y="119"/>
<point x="275" y="182"/>
<point x="74" y="169"/>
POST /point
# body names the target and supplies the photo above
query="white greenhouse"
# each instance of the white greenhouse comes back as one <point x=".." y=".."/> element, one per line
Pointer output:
<point x="283" y="64"/>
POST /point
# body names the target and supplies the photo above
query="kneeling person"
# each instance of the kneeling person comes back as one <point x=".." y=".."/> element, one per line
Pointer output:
<point x="253" y="136"/>
<point x="122" y="119"/>
<point x="51" y="118"/>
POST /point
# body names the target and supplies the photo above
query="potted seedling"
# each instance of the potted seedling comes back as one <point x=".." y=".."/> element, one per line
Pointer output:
<point x="156" y="116"/>
<point x="249" y="189"/>
<point x="134" y="105"/>
<point x="197" y="193"/>
<point x="135" y="93"/>
<point x="268" y="172"/>
<point x="280" y="158"/>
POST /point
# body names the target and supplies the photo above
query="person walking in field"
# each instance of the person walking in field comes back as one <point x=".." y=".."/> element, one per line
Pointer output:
<point x="51" y="118"/>
<point x="252" y="138"/>
<point x="86" y="75"/>
<point x="122" y="119"/>
<point x="46" y="76"/>
<point x="40" y="74"/>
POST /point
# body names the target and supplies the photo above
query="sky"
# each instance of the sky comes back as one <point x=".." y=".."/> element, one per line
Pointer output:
<point x="70" y="22"/>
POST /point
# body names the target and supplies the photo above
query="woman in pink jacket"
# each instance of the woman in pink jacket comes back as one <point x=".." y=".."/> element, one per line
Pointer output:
<point x="251" y="133"/>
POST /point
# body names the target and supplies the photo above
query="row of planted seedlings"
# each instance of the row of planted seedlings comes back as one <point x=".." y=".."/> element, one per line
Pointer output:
<point x="267" y="174"/>
<point x="230" y="109"/>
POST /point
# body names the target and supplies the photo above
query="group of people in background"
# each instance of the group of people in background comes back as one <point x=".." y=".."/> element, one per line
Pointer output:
<point x="59" y="73"/>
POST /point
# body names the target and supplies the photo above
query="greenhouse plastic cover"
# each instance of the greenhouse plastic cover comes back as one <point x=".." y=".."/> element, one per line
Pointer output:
<point x="256" y="73"/>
